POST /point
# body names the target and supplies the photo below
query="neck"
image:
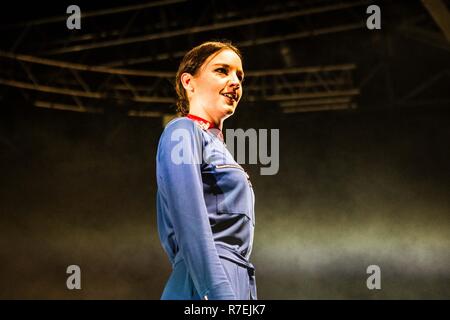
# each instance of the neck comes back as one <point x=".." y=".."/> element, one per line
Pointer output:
<point x="216" y="123"/>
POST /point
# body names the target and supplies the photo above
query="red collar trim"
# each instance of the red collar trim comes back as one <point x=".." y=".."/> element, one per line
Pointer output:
<point x="205" y="124"/>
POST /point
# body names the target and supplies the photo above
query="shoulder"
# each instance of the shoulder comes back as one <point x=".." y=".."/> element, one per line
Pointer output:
<point x="181" y="127"/>
<point x="181" y="122"/>
<point x="179" y="134"/>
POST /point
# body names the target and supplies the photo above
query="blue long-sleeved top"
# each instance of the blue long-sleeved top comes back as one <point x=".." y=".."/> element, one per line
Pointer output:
<point x="205" y="205"/>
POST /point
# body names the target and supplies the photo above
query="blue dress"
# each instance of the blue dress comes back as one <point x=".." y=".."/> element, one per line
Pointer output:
<point x="205" y="214"/>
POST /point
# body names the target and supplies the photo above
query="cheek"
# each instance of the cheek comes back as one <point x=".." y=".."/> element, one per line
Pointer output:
<point x="210" y="87"/>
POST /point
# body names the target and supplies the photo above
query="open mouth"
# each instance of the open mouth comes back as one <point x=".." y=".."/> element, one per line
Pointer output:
<point x="230" y="95"/>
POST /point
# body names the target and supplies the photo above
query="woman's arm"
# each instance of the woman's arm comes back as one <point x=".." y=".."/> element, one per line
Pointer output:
<point x="182" y="186"/>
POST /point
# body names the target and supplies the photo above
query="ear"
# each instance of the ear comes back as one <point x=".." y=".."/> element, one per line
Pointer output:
<point x="187" y="82"/>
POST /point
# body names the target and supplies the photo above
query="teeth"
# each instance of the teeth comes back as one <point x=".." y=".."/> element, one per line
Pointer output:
<point x="229" y="95"/>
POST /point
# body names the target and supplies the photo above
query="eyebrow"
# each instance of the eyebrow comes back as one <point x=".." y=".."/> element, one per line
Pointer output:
<point x="228" y="66"/>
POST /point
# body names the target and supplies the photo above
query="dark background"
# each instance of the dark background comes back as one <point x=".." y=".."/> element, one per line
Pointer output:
<point x="356" y="187"/>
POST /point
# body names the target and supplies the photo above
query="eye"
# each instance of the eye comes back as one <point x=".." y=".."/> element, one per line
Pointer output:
<point x="222" y="70"/>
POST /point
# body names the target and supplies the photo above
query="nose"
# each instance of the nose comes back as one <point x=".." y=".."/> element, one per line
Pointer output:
<point x="234" y="82"/>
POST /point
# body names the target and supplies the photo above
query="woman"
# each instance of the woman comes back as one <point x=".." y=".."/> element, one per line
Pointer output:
<point x="205" y="202"/>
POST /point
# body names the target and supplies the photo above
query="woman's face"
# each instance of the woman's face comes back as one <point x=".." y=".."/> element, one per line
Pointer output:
<point x="217" y="86"/>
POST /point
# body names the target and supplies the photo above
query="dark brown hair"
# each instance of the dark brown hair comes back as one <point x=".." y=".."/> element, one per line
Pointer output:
<point x="191" y="63"/>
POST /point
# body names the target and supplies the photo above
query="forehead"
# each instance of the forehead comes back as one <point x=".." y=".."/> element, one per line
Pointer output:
<point x="225" y="56"/>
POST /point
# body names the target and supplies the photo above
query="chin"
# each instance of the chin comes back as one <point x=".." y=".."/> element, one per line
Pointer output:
<point x="229" y="109"/>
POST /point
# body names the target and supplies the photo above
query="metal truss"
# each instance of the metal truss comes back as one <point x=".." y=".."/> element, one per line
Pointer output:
<point x="106" y="84"/>
<point x="203" y="28"/>
<point x="81" y="88"/>
<point x="295" y="89"/>
<point x="439" y="11"/>
<point x="417" y="95"/>
<point x="304" y="89"/>
<point x="96" y="13"/>
<point x="242" y="44"/>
